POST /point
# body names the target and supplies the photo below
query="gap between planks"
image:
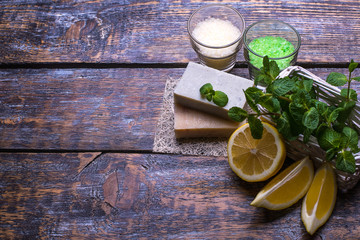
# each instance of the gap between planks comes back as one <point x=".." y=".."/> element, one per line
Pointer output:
<point x="146" y="65"/>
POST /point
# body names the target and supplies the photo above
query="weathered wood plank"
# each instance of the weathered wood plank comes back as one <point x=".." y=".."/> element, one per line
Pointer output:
<point x="85" y="109"/>
<point x="107" y="109"/>
<point x="110" y="31"/>
<point x="144" y="196"/>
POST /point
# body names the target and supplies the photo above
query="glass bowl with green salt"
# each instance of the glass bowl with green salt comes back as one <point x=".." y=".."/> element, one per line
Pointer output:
<point x="273" y="38"/>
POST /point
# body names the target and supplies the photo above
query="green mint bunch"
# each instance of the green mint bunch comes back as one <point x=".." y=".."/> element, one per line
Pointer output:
<point x="218" y="97"/>
<point x="343" y="139"/>
<point x="293" y="105"/>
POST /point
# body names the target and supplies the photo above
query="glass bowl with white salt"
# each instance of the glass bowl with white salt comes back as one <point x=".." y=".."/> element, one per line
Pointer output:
<point x="273" y="38"/>
<point x="216" y="33"/>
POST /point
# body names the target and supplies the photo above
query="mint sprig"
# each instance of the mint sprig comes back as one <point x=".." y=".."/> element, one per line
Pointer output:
<point x="218" y="97"/>
<point x="293" y="105"/>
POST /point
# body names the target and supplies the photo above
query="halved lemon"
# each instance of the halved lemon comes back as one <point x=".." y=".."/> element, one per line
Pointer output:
<point x="319" y="201"/>
<point x="252" y="159"/>
<point x="287" y="187"/>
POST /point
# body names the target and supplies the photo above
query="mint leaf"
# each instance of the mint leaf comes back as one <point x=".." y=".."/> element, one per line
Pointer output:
<point x="351" y="138"/>
<point x="283" y="126"/>
<point x="329" y="138"/>
<point x="336" y="79"/>
<point x="282" y="86"/>
<point x="205" y="89"/>
<point x="266" y="64"/>
<point x="311" y="118"/>
<point x="274" y="70"/>
<point x="220" y="98"/>
<point x="250" y="101"/>
<point x="256" y="127"/>
<point x="334" y="115"/>
<point x="265" y="72"/>
<point x="307" y="133"/>
<point x="356" y="79"/>
<point x="330" y="154"/>
<point x="254" y="93"/>
<point x="322" y="108"/>
<point x="352" y="65"/>
<point x="270" y="103"/>
<point x="352" y="95"/>
<point x="259" y="77"/>
<point x="237" y="114"/>
<point x="346" y="107"/>
<point x="268" y="79"/>
<point x="345" y="161"/>
<point x="308" y="84"/>
<point x="297" y="111"/>
<point x="322" y="126"/>
<point x="302" y="97"/>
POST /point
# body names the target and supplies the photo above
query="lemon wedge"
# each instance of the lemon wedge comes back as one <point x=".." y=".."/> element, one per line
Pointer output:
<point x="319" y="201"/>
<point x="287" y="187"/>
<point x="252" y="159"/>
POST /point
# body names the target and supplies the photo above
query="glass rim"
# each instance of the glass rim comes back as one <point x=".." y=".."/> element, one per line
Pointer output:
<point x="218" y="5"/>
<point x="273" y="20"/>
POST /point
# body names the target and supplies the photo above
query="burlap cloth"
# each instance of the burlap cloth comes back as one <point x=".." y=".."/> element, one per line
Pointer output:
<point x="165" y="140"/>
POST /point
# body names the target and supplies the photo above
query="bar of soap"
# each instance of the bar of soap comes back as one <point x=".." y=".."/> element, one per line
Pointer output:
<point x="187" y="91"/>
<point x="190" y="123"/>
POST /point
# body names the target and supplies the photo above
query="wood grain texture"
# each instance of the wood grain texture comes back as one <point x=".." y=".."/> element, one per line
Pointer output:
<point x="86" y="109"/>
<point x="91" y="108"/>
<point x="110" y="31"/>
<point x="146" y="196"/>
<point x="106" y="109"/>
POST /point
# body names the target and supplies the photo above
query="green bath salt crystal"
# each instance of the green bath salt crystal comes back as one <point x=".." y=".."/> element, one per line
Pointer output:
<point x="273" y="47"/>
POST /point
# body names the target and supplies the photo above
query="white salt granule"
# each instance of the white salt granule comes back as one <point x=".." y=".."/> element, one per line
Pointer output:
<point x="216" y="33"/>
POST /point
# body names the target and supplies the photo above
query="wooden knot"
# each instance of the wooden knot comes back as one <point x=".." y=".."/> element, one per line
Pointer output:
<point x="87" y="30"/>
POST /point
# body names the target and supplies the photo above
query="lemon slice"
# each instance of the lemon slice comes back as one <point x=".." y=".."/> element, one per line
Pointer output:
<point x="319" y="201"/>
<point x="252" y="159"/>
<point x="287" y="187"/>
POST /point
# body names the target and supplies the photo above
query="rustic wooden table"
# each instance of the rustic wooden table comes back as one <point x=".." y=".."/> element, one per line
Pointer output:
<point x="81" y="86"/>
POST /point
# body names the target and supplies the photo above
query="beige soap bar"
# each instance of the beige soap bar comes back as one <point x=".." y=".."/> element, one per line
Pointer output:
<point x="190" y="123"/>
<point x="187" y="91"/>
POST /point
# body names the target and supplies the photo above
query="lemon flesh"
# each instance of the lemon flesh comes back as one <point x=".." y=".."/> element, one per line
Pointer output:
<point x="256" y="159"/>
<point x="319" y="202"/>
<point x="287" y="187"/>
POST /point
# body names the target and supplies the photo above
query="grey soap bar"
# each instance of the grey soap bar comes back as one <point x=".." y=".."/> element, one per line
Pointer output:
<point x="187" y="91"/>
